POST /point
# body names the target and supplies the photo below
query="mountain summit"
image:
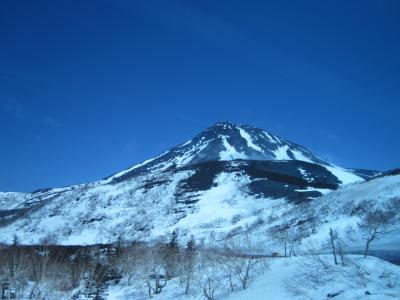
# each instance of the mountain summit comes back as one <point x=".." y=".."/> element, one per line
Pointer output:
<point x="226" y="141"/>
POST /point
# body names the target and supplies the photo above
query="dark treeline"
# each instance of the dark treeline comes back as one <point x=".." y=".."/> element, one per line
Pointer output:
<point x="31" y="271"/>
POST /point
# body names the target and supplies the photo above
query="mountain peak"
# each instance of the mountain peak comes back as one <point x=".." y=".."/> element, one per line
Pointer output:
<point x="224" y="123"/>
<point x="225" y="141"/>
<point x="231" y="125"/>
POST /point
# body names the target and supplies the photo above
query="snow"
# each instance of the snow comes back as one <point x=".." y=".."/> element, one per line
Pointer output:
<point x="146" y="206"/>
<point x="312" y="189"/>
<point x="188" y="155"/>
<point x="102" y="212"/>
<point x="301" y="156"/>
<point x="306" y="175"/>
<point x="271" y="285"/>
<point x="84" y="237"/>
<point x="281" y="153"/>
<point x="268" y="136"/>
<point x="185" y="144"/>
<point x="230" y="152"/>
<point x="119" y="174"/>
<point x="98" y="213"/>
<point x="285" y="274"/>
<point x="248" y="139"/>
<point x="335" y="211"/>
<point x="291" y="279"/>
<point x="345" y="176"/>
<point x="11" y="200"/>
<point x="217" y="206"/>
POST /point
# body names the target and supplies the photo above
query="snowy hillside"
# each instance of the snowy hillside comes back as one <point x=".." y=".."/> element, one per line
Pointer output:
<point x="9" y="200"/>
<point x="220" y="197"/>
<point x="341" y="209"/>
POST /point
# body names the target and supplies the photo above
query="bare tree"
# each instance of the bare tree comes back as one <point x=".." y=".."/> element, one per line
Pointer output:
<point x="154" y="270"/>
<point x="14" y="271"/>
<point x="130" y="261"/>
<point x="79" y="266"/>
<point x="208" y="278"/>
<point x="41" y="263"/>
<point x="376" y="224"/>
<point x="294" y="238"/>
<point x="243" y="256"/>
<point x="188" y="263"/>
<point x="95" y="276"/>
<point x="333" y="237"/>
<point x="280" y="233"/>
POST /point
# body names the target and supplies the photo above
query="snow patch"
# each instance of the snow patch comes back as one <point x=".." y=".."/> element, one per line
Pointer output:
<point x="301" y="156"/>
<point x="312" y="189"/>
<point x="248" y="139"/>
<point x="268" y="136"/>
<point x="230" y="152"/>
<point x="345" y="176"/>
<point x="281" y="153"/>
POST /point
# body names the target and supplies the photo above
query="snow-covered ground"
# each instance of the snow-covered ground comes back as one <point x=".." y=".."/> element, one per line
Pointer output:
<point x="297" y="278"/>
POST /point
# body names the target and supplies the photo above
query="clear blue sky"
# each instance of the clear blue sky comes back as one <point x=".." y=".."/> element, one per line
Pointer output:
<point x="88" y="88"/>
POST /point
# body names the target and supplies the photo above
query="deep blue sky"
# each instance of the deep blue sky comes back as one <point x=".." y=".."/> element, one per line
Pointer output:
<point x="88" y="88"/>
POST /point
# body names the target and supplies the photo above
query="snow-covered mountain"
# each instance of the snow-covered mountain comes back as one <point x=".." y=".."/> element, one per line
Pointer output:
<point x="226" y="141"/>
<point x="227" y="179"/>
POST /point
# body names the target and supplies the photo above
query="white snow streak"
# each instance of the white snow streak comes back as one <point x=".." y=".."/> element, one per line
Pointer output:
<point x="346" y="177"/>
<point x="281" y="153"/>
<point x="230" y="152"/>
<point x="248" y="139"/>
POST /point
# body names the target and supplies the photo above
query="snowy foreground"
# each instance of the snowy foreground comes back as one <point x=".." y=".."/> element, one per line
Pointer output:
<point x="297" y="278"/>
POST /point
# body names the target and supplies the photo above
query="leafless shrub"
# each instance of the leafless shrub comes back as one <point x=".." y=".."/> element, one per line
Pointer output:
<point x="208" y="279"/>
<point x="243" y="258"/>
<point x="377" y="223"/>
<point x="390" y="278"/>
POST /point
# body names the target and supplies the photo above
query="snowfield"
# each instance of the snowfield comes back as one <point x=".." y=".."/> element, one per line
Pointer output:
<point x="297" y="278"/>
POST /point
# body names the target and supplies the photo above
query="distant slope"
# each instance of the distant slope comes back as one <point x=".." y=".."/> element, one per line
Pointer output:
<point x="341" y="209"/>
<point x="10" y="200"/>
